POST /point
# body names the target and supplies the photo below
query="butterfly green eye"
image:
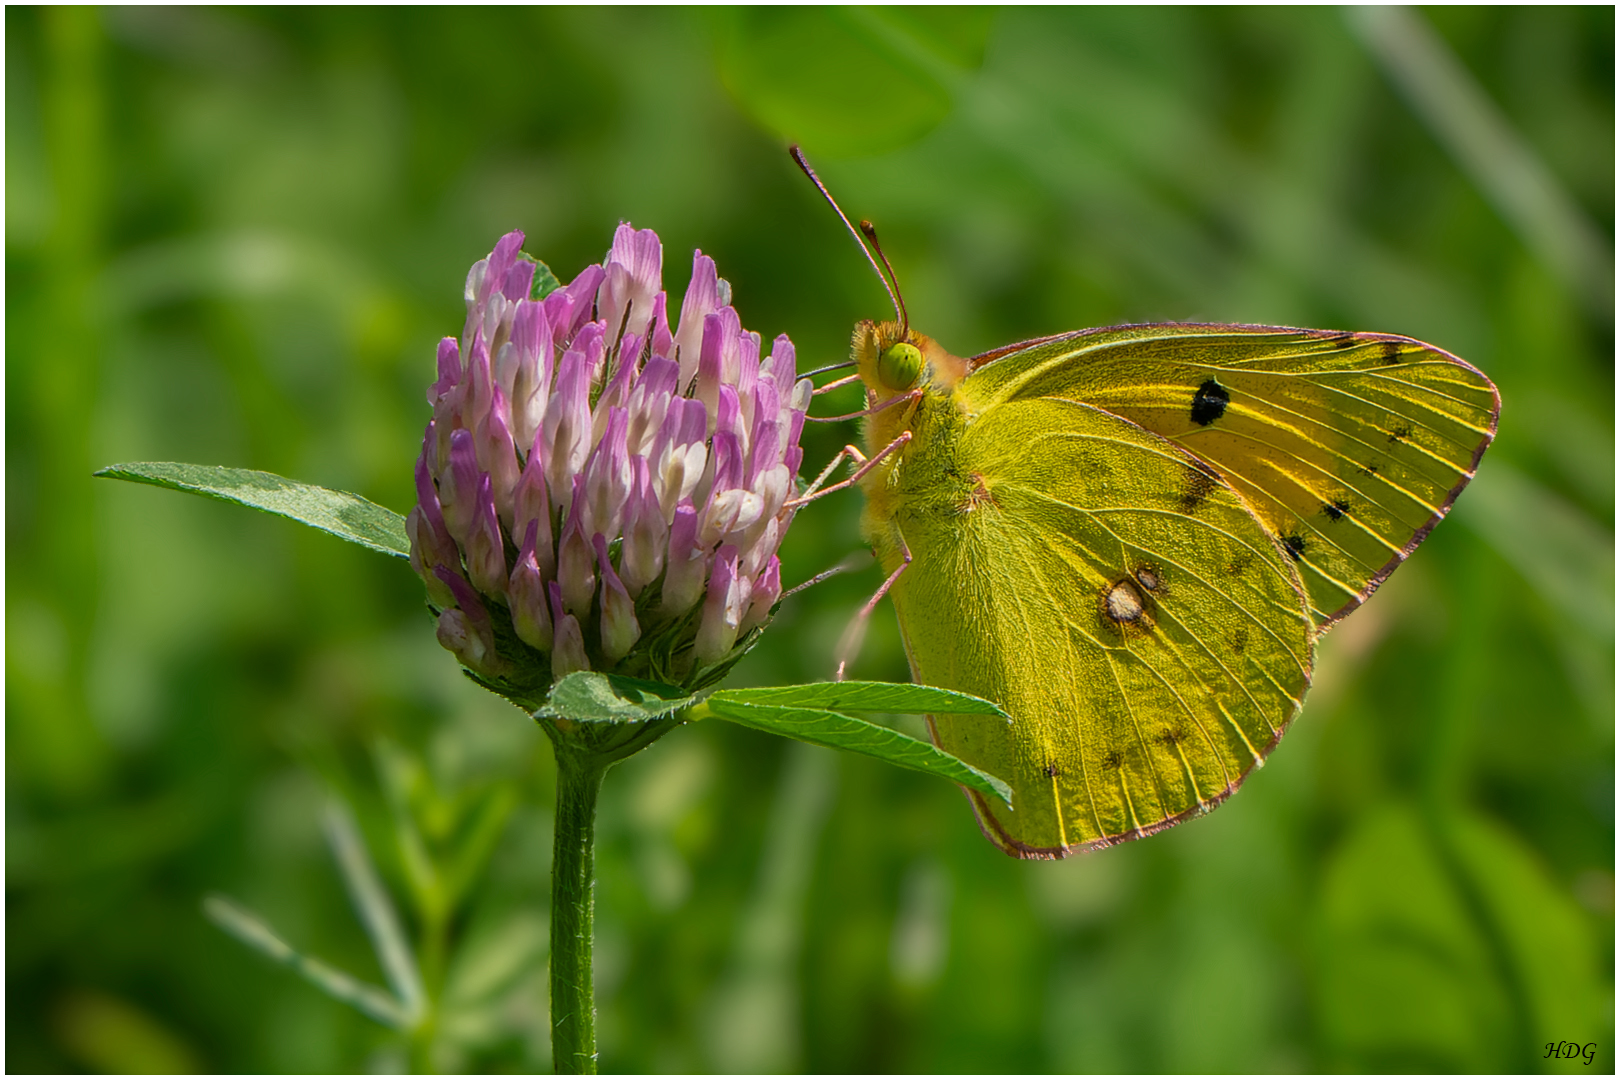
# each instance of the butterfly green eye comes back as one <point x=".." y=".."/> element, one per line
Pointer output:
<point x="899" y="365"/>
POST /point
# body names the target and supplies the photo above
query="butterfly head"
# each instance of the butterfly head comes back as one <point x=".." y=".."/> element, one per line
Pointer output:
<point x="893" y="359"/>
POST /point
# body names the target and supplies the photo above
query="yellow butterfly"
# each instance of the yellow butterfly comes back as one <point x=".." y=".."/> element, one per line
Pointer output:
<point x="1131" y="538"/>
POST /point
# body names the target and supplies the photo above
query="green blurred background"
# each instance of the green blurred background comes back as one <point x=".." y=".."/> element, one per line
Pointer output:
<point x="233" y="237"/>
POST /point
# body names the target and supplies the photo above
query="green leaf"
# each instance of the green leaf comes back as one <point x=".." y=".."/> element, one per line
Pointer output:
<point x="823" y="728"/>
<point x="1539" y="927"/>
<point x="346" y="516"/>
<point x="907" y="698"/>
<point x="593" y="697"/>
<point x="253" y="932"/>
<point x="1445" y="946"/>
<point x="1407" y="979"/>
<point x="957" y="35"/>
<point x="862" y="81"/>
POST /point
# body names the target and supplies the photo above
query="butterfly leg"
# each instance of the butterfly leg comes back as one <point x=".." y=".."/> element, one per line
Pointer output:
<point x="865" y="465"/>
<point x="850" y="562"/>
<point x="910" y="397"/>
<point x="850" y="644"/>
<point x="836" y="383"/>
<point x="838" y="459"/>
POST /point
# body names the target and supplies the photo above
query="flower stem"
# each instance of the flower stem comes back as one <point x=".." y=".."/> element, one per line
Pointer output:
<point x="573" y="897"/>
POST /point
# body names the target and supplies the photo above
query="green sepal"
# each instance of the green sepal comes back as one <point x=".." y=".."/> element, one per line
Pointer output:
<point x="592" y="697"/>
<point x="340" y="513"/>
<point x="545" y="282"/>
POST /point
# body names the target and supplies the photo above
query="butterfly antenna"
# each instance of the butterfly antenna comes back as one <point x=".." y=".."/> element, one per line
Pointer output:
<point x="798" y="156"/>
<point x="894" y="292"/>
<point x="829" y="367"/>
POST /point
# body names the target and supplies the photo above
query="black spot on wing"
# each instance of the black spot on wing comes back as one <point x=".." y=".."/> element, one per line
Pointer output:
<point x="1344" y="341"/>
<point x="1294" y="544"/>
<point x="1199" y="481"/>
<point x="1336" y="509"/>
<point x="1400" y="433"/>
<point x="1209" y="402"/>
<point x="1238" y="641"/>
<point x="1052" y="771"/>
<point x="1392" y="352"/>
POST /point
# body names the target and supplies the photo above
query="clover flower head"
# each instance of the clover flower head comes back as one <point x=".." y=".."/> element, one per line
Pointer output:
<point x="599" y="491"/>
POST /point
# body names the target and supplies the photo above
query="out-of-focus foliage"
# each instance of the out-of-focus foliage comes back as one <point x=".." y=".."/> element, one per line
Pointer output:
<point x="860" y="80"/>
<point x="233" y="237"/>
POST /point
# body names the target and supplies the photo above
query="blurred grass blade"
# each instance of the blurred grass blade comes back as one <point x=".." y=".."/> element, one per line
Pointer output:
<point x="490" y="962"/>
<point x="909" y="698"/>
<point x="474" y="851"/>
<point x="346" y="516"/>
<point x="821" y="728"/>
<point x="252" y="931"/>
<point x="376" y="910"/>
<point x="616" y="699"/>
<point x="753" y="1011"/>
<point x="1567" y="557"/>
<point x="404" y="781"/>
<point x="1500" y="163"/>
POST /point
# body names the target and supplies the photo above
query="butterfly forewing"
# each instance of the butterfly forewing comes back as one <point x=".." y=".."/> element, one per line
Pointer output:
<point x="1348" y="447"/>
<point x="1145" y="631"/>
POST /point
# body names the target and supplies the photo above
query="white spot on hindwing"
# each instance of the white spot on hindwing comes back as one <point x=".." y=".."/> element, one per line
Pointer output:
<point x="1123" y="603"/>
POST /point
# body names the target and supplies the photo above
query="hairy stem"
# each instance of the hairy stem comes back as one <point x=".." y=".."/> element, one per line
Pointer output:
<point x="573" y="898"/>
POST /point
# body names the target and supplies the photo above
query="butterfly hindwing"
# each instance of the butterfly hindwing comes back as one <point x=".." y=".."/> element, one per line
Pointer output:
<point x="1348" y="447"/>
<point x="1147" y="634"/>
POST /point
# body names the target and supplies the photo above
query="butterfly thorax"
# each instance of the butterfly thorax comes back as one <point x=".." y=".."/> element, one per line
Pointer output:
<point x="916" y="379"/>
